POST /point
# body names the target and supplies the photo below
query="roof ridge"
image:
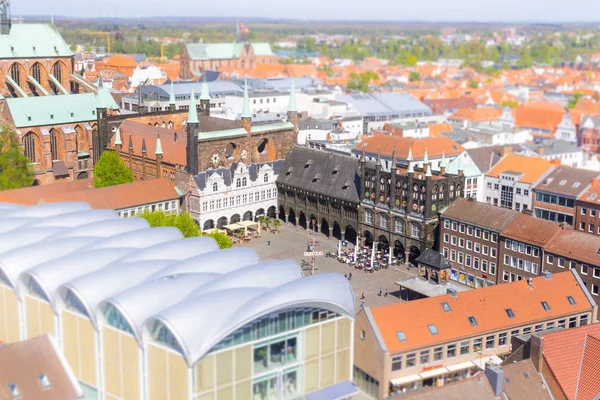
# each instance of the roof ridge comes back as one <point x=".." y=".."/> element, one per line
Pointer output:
<point x="581" y="365"/>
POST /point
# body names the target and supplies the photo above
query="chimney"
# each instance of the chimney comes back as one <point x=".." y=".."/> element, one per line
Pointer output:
<point x="536" y="349"/>
<point x="496" y="377"/>
<point x="530" y="282"/>
<point x="506" y="150"/>
<point x="540" y="151"/>
<point x="547" y="275"/>
<point x="555" y="162"/>
<point x="452" y="292"/>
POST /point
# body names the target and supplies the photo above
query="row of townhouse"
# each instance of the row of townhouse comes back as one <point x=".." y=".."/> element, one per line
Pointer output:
<point x="489" y="245"/>
<point x="409" y="346"/>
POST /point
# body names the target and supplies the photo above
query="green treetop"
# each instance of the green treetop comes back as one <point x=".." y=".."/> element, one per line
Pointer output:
<point x="15" y="169"/>
<point x="110" y="170"/>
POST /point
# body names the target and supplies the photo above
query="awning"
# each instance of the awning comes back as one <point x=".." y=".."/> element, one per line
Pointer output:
<point x="247" y="224"/>
<point x="338" y="391"/>
<point x="233" y="227"/>
<point x="433" y="372"/>
<point x="405" y="379"/>
<point x="480" y="362"/>
<point x="458" y="367"/>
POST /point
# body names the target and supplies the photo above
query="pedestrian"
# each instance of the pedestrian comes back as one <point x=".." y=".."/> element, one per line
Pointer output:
<point x="362" y="295"/>
<point x="268" y="242"/>
<point x="386" y="293"/>
<point x="380" y="292"/>
<point x="350" y="276"/>
<point x="362" y="304"/>
<point x="346" y="275"/>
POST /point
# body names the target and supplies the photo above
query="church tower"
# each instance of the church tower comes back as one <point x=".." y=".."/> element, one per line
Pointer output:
<point x="192" y="127"/>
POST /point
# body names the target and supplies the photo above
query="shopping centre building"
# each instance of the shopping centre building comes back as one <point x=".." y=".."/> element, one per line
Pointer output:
<point x="142" y="313"/>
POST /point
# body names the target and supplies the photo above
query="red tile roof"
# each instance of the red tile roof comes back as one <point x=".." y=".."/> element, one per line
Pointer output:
<point x="487" y="305"/>
<point x="111" y="197"/>
<point x="532" y="168"/>
<point x="573" y="356"/>
<point x="435" y="146"/>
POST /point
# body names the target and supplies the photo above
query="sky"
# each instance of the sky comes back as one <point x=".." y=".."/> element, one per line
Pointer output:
<point x="401" y="10"/>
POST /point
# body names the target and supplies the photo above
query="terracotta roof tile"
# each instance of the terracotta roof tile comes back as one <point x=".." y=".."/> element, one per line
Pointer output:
<point x="385" y="143"/>
<point x="532" y="168"/>
<point x="480" y="214"/>
<point x="487" y="305"/>
<point x="577" y="245"/>
<point x="480" y="114"/>
<point x="531" y="230"/>
<point x="111" y="197"/>
<point x="566" y="352"/>
<point x="539" y="115"/>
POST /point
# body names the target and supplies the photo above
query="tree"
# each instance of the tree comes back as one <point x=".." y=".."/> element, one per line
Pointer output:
<point x="110" y="170"/>
<point x="276" y="223"/>
<point x="222" y="239"/>
<point x="15" y="169"/>
<point x="473" y="84"/>
<point x="414" y="76"/>
<point x="264" y="220"/>
<point x="510" y="103"/>
<point x="184" y="222"/>
<point x="574" y="100"/>
<point x="361" y="81"/>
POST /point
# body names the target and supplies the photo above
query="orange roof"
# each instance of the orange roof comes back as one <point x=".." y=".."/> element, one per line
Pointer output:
<point x="532" y="168"/>
<point x="111" y="197"/>
<point x="479" y="114"/>
<point x="296" y="70"/>
<point x="573" y="357"/>
<point x="120" y="60"/>
<point x="435" y="146"/>
<point x="436" y="129"/>
<point x="487" y="305"/>
<point x="171" y="69"/>
<point x="539" y="115"/>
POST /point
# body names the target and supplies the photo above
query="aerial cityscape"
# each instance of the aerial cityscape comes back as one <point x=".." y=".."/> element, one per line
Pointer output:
<point x="321" y="201"/>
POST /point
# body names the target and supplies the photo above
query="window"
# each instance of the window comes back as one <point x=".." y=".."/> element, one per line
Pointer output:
<point x="538" y="328"/>
<point x="461" y="228"/>
<point x="561" y="262"/>
<point x="550" y="325"/>
<point x="595" y="290"/>
<point x="53" y="145"/>
<point x="461" y="257"/>
<point x="383" y="221"/>
<point x="396" y="363"/>
<point x="451" y="351"/>
<point x="399" y="227"/>
<point x="452" y="255"/>
<point x="446" y="307"/>
<point x="510" y="313"/>
<point x="369" y="217"/>
<point x="29" y="146"/>
<point x="477" y="344"/>
<point x="14" y="390"/>
<point x="362" y="335"/>
<point x="506" y="259"/>
<point x="464" y="347"/>
<point x="571" y="300"/>
<point x="507" y="244"/>
<point x="438" y="353"/>
<point x="477" y="247"/>
<point x="454" y="225"/>
<point x="545" y="306"/>
<point x="484" y="265"/>
<point x="446" y="238"/>
<point x="238" y="183"/>
<point x="411" y="360"/>
<point x="514" y="333"/>
<point x="470" y="231"/>
<point x="596" y="272"/>
<point x="550" y="259"/>
<point x="469" y="245"/>
<point x="527" y="331"/>
<point x="490" y="342"/>
<point x="477" y="232"/>
<point x="502" y="340"/>
<point x="562" y="323"/>
<point x="475" y="263"/>
<point x="573" y="322"/>
<point x="472" y="321"/>
<point x="493" y="252"/>
<point x="461" y="242"/>
<point x="433" y="329"/>
<point x="447" y="223"/>
<point x="416" y="230"/>
<point x="468" y="260"/>
<point x="424" y="357"/>
<point x="583" y="210"/>
<point x="583" y="320"/>
<point x="401" y="336"/>
<point x="215" y="187"/>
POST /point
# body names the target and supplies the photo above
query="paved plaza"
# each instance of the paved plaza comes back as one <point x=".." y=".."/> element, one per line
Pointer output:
<point x="290" y="243"/>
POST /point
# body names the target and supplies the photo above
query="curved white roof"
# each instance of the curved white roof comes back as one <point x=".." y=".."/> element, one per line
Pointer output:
<point x="241" y="305"/>
<point x="6" y="207"/>
<point x="47" y="210"/>
<point x="202" y="294"/>
<point x="168" y="287"/>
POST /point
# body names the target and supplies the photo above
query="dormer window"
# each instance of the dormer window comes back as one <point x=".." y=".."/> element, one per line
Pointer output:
<point x="44" y="381"/>
<point x="14" y="390"/>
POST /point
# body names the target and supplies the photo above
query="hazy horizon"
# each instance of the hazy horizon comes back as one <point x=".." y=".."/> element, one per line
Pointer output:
<point x="387" y="10"/>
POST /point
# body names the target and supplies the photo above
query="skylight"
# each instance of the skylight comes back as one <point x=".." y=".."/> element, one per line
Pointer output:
<point x="432" y="329"/>
<point x="401" y="336"/>
<point x="510" y="313"/>
<point x="473" y="321"/>
<point x="563" y="182"/>
<point x="446" y="307"/>
<point x="571" y="300"/>
<point x="14" y="390"/>
<point x="576" y="184"/>
<point x="545" y="305"/>
<point x="44" y="381"/>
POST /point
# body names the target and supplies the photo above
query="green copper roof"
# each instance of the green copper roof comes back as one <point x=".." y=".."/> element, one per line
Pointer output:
<point x="292" y="105"/>
<point x="54" y="110"/>
<point x="222" y="134"/>
<point x="221" y="51"/>
<point x="246" y="105"/>
<point x="105" y="99"/>
<point x="271" y="127"/>
<point x="192" y="111"/>
<point x="33" y="41"/>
